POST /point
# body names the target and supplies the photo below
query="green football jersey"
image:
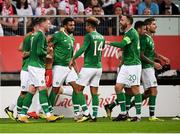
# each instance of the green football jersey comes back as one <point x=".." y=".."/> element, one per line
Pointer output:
<point x="92" y="48"/>
<point x="147" y="47"/>
<point x="38" y="50"/>
<point x="26" y="48"/>
<point x="131" y="47"/>
<point x="63" y="48"/>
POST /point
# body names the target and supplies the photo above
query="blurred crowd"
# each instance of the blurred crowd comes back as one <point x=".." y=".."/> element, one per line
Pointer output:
<point x="15" y="26"/>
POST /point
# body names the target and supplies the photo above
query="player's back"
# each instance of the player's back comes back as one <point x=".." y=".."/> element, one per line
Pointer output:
<point x="93" y="54"/>
<point x="38" y="50"/>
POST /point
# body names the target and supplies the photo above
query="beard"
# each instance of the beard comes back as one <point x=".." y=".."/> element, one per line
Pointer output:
<point x="123" y="27"/>
<point x="152" y="31"/>
<point x="70" y="31"/>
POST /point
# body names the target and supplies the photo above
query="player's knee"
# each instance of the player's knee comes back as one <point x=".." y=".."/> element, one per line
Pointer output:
<point x="119" y="87"/>
<point x="80" y="88"/>
<point x="32" y="89"/>
<point x="135" y="89"/>
<point x="60" y="90"/>
<point x="154" y="91"/>
<point x="94" y="90"/>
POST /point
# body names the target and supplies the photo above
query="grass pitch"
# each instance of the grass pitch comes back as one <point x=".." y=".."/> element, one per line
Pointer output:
<point x="103" y="125"/>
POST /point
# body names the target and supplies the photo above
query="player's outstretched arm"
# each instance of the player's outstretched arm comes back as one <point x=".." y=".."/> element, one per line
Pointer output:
<point x="125" y="41"/>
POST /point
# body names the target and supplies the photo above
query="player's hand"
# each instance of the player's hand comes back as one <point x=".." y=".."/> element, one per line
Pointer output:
<point x="166" y="60"/>
<point x="107" y="42"/>
<point x="49" y="49"/>
<point x="157" y="66"/>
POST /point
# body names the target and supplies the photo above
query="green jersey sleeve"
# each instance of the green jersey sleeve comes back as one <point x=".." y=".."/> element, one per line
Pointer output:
<point x="125" y="41"/>
<point x="83" y="48"/>
<point x="54" y="39"/>
<point x="143" y="44"/>
<point x="26" y="44"/>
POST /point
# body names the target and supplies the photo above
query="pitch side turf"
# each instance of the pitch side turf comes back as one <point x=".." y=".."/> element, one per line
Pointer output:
<point x="103" y="125"/>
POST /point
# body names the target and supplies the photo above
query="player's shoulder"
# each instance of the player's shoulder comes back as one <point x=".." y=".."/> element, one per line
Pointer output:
<point x="39" y="33"/>
<point x="143" y="37"/>
<point x="131" y="33"/>
<point x="87" y="35"/>
<point x="58" y="34"/>
<point x="147" y="37"/>
<point x="95" y="35"/>
<point x="28" y="35"/>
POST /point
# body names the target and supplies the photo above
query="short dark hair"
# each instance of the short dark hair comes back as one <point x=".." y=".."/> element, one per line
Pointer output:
<point x="149" y="21"/>
<point x="92" y="21"/>
<point x="130" y="18"/>
<point x="66" y="20"/>
<point x="139" y="24"/>
<point x="39" y="20"/>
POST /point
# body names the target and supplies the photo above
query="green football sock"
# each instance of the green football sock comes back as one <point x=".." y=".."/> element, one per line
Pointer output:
<point x="20" y="103"/>
<point x="26" y="103"/>
<point x="82" y="101"/>
<point x="52" y="98"/>
<point x="128" y="101"/>
<point x="50" y="106"/>
<point x="75" y="102"/>
<point x="44" y="100"/>
<point x="132" y="104"/>
<point x="138" y="103"/>
<point x="122" y="101"/>
<point x="152" y="104"/>
<point x="95" y="105"/>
